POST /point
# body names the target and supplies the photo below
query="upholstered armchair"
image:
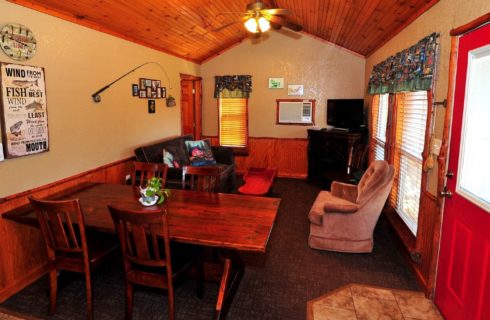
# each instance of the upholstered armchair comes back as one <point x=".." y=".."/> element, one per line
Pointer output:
<point x="344" y="219"/>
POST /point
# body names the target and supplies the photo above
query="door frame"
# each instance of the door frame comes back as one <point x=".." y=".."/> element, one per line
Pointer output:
<point x="443" y="158"/>
<point x="197" y="104"/>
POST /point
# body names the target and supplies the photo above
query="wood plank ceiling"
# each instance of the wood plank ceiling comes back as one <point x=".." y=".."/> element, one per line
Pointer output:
<point x="191" y="29"/>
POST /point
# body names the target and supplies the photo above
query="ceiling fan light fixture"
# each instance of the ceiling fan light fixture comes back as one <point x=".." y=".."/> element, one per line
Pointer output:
<point x="264" y="24"/>
<point x="252" y="25"/>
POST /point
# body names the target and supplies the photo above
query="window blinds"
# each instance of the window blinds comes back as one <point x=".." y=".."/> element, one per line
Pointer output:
<point x="379" y="120"/>
<point x="409" y="145"/>
<point x="233" y="128"/>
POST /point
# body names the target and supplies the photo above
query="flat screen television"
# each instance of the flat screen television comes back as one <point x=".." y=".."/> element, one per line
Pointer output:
<point x="345" y="113"/>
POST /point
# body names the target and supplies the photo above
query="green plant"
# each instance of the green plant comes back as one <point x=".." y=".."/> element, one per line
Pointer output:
<point x="154" y="188"/>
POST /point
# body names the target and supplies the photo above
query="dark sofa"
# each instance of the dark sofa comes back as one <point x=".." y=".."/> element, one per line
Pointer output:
<point x="176" y="145"/>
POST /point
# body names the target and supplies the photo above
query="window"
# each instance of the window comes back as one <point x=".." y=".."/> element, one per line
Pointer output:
<point x="233" y="122"/>
<point x="380" y="118"/>
<point x="407" y="140"/>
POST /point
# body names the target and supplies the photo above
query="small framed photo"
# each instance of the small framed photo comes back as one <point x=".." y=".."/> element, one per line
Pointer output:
<point x="151" y="106"/>
<point x="148" y="91"/>
<point x="142" y="93"/>
<point x="158" y="83"/>
<point x="148" y="83"/>
<point x="135" y="90"/>
<point x="159" y="93"/>
<point x="154" y="85"/>
<point x="276" y="83"/>
<point x="295" y="89"/>
<point x="164" y="92"/>
<point x="153" y="94"/>
<point x="142" y="83"/>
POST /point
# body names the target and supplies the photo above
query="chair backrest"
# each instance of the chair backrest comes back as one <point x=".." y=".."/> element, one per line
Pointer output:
<point x="139" y="233"/>
<point x="377" y="180"/>
<point x="60" y="232"/>
<point x="143" y="171"/>
<point x="205" y="179"/>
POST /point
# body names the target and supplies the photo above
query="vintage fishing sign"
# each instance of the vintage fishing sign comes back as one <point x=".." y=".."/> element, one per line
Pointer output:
<point x="23" y="110"/>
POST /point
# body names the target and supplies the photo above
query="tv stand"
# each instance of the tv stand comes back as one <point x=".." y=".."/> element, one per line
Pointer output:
<point x="330" y="152"/>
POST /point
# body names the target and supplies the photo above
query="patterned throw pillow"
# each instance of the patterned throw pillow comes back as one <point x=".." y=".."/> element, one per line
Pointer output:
<point x="200" y="153"/>
<point x="168" y="159"/>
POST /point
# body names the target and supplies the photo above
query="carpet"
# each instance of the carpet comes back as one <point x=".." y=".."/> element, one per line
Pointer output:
<point x="276" y="285"/>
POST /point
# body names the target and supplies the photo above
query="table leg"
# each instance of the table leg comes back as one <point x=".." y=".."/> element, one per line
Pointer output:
<point x="232" y="273"/>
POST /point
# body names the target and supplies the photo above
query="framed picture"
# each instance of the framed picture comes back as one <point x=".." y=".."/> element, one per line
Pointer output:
<point x="151" y="106"/>
<point x="295" y="89"/>
<point x="23" y="110"/>
<point x="151" y="87"/>
<point x="164" y="92"/>
<point x="143" y="93"/>
<point x="276" y="83"/>
<point x="135" y="90"/>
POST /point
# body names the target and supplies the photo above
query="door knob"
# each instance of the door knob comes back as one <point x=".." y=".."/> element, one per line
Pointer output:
<point x="450" y="174"/>
<point x="446" y="193"/>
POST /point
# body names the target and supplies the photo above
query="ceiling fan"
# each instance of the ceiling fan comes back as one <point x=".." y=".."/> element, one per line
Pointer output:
<point x="259" y="18"/>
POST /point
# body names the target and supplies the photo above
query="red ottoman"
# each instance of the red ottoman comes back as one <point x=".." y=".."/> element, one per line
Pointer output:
<point x="258" y="181"/>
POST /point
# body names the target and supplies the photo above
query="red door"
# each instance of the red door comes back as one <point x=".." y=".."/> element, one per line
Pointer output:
<point x="463" y="279"/>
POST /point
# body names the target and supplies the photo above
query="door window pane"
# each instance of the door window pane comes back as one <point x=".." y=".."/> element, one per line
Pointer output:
<point x="474" y="171"/>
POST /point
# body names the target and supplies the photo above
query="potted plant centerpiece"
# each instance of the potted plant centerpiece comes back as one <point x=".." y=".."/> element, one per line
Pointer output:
<point x="153" y="193"/>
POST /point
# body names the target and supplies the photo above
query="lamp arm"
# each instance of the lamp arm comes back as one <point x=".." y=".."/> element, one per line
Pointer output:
<point x="96" y="96"/>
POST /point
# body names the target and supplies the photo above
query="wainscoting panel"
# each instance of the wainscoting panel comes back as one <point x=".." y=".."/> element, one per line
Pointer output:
<point x="22" y="253"/>
<point x="288" y="155"/>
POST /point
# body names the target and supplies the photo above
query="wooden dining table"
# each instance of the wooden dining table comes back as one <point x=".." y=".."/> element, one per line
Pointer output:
<point x="228" y="222"/>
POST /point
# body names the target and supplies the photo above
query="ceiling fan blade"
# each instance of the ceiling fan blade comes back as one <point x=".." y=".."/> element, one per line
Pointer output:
<point x="276" y="11"/>
<point x="286" y="23"/>
<point x="275" y="26"/>
<point x="224" y="26"/>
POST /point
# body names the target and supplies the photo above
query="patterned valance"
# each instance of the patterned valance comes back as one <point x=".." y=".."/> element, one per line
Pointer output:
<point x="238" y="86"/>
<point x="409" y="70"/>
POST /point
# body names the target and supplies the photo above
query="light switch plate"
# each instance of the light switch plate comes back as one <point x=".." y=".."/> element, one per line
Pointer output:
<point x="436" y="146"/>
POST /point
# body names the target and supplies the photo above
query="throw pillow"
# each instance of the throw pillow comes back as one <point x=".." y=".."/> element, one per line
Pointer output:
<point x="200" y="153"/>
<point x="169" y="160"/>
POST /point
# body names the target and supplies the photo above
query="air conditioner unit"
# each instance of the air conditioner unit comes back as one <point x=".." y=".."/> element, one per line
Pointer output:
<point x="295" y="111"/>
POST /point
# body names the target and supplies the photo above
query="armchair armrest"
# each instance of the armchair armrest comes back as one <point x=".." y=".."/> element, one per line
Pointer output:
<point x="344" y="191"/>
<point x="223" y="155"/>
<point x="339" y="205"/>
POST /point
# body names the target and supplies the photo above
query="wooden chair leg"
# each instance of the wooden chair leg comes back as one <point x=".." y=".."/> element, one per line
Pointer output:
<point x="90" y="296"/>
<point x="53" y="290"/>
<point x="171" y="307"/>
<point x="129" y="301"/>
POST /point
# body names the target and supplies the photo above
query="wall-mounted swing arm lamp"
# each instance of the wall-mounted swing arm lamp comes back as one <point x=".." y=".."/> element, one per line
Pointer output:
<point x="96" y="96"/>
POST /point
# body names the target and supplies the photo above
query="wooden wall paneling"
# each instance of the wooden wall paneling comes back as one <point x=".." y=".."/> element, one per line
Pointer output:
<point x="288" y="155"/>
<point x="22" y="252"/>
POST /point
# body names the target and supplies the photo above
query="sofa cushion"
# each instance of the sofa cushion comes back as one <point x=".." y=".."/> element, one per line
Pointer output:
<point x="200" y="153"/>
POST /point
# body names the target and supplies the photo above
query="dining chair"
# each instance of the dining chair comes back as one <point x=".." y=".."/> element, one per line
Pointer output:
<point x="149" y="257"/>
<point x="62" y="225"/>
<point x="205" y="179"/>
<point x="143" y="171"/>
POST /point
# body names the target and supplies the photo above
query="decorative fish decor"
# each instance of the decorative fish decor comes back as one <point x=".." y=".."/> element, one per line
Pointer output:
<point x="15" y="128"/>
<point x="34" y="105"/>
<point x="25" y="83"/>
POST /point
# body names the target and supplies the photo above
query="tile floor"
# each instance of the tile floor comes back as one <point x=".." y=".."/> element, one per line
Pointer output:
<point x="356" y="302"/>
